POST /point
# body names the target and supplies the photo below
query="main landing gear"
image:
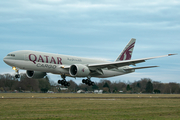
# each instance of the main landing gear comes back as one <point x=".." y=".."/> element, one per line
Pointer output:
<point x="88" y="82"/>
<point x="17" y="75"/>
<point x="63" y="82"/>
<point x="67" y="84"/>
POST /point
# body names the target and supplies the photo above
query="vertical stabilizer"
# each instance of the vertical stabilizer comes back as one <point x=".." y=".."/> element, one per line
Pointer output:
<point x="127" y="52"/>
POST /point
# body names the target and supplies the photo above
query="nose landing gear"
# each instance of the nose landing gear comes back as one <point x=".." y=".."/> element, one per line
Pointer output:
<point x="17" y="72"/>
<point x="17" y="76"/>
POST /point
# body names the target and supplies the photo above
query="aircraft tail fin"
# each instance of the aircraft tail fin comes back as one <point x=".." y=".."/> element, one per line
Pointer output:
<point x="127" y="52"/>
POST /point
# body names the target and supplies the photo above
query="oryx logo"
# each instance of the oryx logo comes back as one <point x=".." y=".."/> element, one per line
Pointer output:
<point x="83" y="69"/>
<point x="126" y="55"/>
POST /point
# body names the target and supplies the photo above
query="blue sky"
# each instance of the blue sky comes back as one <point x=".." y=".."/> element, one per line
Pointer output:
<point x="96" y="29"/>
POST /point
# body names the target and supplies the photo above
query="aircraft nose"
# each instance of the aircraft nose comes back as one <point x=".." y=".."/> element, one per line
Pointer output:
<point x="8" y="61"/>
<point x="5" y="60"/>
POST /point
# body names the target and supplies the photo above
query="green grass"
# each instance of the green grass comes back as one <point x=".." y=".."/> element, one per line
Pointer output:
<point x="87" y="108"/>
<point x="37" y="95"/>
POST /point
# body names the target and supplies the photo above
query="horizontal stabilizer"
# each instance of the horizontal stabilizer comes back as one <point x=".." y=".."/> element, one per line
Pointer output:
<point x="140" y="67"/>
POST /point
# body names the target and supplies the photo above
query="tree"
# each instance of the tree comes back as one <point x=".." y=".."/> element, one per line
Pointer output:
<point x="73" y="86"/>
<point x="149" y="87"/>
<point x="7" y="82"/>
<point x="174" y="88"/>
<point x="136" y="86"/>
<point x="84" y="87"/>
<point x="142" y="84"/>
<point x="157" y="91"/>
<point x="128" y="88"/>
<point x="106" y="87"/>
<point x="121" y="86"/>
<point x="44" y="84"/>
<point x="102" y="82"/>
<point x="27" y="84"/>
<point x="95" y="87"/>
<point x="157" y="86"/>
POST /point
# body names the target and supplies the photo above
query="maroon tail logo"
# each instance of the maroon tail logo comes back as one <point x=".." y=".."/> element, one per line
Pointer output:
<point x="127" y="52"/>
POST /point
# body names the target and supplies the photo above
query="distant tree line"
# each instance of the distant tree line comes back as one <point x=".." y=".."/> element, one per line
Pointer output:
<point x="9" y="83"/>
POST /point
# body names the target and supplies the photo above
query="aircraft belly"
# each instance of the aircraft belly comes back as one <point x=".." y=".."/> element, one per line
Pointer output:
<point x="43" y="67"/>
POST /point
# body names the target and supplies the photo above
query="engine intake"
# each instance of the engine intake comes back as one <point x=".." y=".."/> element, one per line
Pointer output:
<point x="79" y="70"/>
<point x="35" y="74"/>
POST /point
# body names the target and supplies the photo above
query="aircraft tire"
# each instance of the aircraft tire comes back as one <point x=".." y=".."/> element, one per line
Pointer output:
<point x="59" y="81"/>
<point x="87" y="81"/>
<point x="83" y="81"/>
<point x="68" y="84"/>
<point x="92" y="83"/>
<point x="17" y="76"/>
<point x="63" y="82"/>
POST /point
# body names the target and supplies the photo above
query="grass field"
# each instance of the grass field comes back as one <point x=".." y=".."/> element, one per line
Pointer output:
<point x="146" y="106"/>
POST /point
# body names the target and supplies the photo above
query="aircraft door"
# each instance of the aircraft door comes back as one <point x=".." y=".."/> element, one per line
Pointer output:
<point x="26" y="57"/>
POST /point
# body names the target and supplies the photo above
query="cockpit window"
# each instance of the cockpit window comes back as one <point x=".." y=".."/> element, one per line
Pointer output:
<point x="13" y="55"/>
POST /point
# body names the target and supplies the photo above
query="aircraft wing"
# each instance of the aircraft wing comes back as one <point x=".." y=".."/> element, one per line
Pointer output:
<point x="122" y="63"/>
<point x="134" y="68"/>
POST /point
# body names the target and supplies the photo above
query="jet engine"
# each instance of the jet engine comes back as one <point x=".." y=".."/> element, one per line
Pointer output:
<point x="35" y="74"/>
<point x="79" y="70"/>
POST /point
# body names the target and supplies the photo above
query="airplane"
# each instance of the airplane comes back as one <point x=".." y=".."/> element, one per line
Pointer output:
<point x="38" y="64"/>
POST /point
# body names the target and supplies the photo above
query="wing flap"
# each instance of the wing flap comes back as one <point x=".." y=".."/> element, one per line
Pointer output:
<point x="140" y="67"/>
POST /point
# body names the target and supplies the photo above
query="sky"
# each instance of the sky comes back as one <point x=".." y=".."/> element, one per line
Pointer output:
<point x="97" y="29"/>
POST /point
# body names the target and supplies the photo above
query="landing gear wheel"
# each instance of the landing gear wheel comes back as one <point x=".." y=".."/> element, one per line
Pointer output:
<point x="83" y="81"/>
<point x="17" y="76"/>
<point x="67" y="84"/>
<point x="64" y="82"/>
<point x="92" y="83"/>
<point x="59" y="81"/>
<point x="88" y="82"/>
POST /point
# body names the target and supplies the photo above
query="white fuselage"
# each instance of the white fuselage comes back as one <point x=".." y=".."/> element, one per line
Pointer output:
<point x="56" y="63"/>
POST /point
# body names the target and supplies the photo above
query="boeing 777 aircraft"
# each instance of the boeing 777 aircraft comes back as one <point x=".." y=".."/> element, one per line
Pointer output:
<point x="37" y="64"/>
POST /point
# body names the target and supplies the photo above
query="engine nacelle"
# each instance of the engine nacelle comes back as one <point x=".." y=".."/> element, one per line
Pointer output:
<point x="35" y="74"/>
<point x="79" y="70"/>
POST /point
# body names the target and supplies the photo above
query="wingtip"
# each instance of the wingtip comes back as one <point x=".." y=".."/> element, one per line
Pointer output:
<point x="171" y="54"/>
<point x="133" y="38"/>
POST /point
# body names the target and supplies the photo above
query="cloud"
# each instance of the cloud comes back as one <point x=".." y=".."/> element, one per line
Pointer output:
<point x="94" y="16"/>
<point x="79" y="6"/>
